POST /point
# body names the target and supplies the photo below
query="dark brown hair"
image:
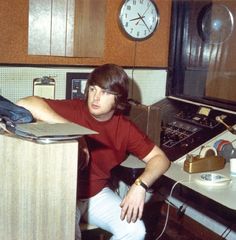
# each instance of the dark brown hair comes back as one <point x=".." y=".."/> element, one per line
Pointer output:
<point x="112" y="78"/>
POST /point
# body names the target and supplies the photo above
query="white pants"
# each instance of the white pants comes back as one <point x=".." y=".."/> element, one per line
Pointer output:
<point x="103" y="210"/>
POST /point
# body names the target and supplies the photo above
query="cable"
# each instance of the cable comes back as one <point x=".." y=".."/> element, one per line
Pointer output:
<point x="133" y="68"/>
<point x="168" y="209"/>
<point x="167" y="200"/>
<point x="182" y="209"/>
<point x="226" y="232"/>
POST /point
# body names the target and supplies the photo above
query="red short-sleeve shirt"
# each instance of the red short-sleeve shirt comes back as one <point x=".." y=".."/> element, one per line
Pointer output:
<point x="115" y="139"/>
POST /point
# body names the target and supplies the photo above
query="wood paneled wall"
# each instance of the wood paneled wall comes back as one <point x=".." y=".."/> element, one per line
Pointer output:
<point x="64" y="28"/>
<point x="118" y="49"/>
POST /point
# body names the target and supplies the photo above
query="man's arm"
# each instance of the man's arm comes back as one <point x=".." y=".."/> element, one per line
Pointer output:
<point x="156" y="165"/>
<point x="41" y="110"/>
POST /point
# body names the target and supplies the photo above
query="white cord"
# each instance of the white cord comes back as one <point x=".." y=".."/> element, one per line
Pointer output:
<point x="133" y="68"/>
<point x="225" y="233"/>
<point x="168" y="209"/>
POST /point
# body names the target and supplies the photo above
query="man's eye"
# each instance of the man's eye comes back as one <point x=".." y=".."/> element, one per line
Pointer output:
<point x="104" y="92"/>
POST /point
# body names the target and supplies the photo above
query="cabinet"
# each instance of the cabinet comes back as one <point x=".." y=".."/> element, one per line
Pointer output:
<point x="66" y="27"/>
<point x="118" y="49"/>
<point x="38" y="189"/>
<point x="179" y="225"/>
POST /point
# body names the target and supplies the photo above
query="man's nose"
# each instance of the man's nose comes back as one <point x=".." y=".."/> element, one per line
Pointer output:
<point x="97" y="95"/>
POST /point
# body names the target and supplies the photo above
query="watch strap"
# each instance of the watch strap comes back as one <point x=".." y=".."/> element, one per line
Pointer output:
<point x="139" y="182"/>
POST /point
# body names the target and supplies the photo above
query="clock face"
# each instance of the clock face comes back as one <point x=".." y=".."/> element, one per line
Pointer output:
<point x="139" y="18"/>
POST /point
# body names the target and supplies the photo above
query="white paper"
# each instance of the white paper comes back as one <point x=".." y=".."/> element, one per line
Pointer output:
<point x="43" y="129"/>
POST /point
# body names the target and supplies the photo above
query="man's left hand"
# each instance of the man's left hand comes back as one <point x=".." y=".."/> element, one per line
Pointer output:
<point x="133" y="204"/>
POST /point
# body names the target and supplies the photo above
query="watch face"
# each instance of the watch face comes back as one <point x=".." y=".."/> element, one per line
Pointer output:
<point x="138" y="182"/>
<point x="139" y="19"/>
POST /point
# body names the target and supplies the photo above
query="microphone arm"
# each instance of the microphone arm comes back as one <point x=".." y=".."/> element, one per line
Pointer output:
<point x="229" y="128"/>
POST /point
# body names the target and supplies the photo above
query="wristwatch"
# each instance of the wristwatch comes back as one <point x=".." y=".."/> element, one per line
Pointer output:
<point x="139" y="182"/>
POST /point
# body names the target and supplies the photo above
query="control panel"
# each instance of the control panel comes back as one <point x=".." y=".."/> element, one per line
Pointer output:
<point x="176" y="132"/>
<point x="185" y="126"/>
<point x="202" y="117"/>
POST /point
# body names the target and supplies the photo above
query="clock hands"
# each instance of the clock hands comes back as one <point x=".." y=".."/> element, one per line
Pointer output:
<point x="141" y="18"/>
<point x="137" y="18"/>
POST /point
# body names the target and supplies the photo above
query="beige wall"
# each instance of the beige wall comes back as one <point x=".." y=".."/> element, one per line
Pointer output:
<point x="147" y="87"/>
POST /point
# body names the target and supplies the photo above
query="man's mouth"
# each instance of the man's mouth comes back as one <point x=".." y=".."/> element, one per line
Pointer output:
<point x="95" y="106"/>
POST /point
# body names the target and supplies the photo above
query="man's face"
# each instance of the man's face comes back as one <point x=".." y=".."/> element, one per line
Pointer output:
<point x="101" y="103"/>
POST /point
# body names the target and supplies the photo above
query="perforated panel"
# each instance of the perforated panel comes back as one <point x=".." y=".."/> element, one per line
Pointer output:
<point x="17" y="82"/>
<point x="147" y="87"/>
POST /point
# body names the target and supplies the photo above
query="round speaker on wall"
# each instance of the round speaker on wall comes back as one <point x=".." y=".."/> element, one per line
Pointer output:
<point x="215" y="23"/>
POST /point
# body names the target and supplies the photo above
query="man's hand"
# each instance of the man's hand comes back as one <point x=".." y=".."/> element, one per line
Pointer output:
<point x="133" y="204"/>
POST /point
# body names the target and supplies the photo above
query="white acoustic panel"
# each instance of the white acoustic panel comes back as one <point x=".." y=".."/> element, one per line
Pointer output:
<point x="148" y="85"/>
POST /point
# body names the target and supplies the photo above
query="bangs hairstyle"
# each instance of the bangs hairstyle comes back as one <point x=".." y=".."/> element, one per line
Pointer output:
<point x="112" y="78"/>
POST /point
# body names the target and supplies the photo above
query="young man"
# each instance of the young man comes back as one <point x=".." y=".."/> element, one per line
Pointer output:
<point x="106" y="97"/>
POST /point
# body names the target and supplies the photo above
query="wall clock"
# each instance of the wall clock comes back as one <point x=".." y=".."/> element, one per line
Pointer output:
<point x="138" y="19"/>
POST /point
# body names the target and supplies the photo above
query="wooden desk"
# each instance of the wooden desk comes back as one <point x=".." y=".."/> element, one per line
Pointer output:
<point x="37" y="190"/>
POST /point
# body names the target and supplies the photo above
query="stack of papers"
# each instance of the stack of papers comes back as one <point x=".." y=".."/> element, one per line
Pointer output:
<point x="51" y="132"/>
